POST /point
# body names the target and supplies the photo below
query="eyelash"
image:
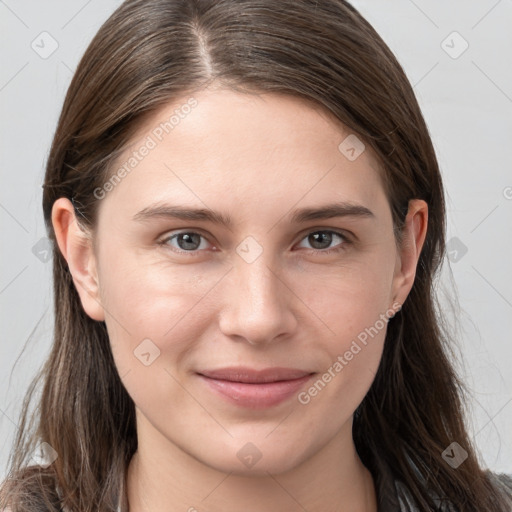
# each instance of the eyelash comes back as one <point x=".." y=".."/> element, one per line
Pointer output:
<point x="338" y="248"/>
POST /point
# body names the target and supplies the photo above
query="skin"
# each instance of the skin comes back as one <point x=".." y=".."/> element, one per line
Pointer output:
<point x="257" y="158"/>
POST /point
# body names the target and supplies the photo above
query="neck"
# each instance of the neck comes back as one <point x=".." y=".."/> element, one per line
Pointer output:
<point x="162" y="477"/>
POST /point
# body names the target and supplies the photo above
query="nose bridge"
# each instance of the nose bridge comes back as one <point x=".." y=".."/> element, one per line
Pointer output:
<point x="254" y="268"/>
<point x="260" y="282"/>
<point x="257" y="306"/>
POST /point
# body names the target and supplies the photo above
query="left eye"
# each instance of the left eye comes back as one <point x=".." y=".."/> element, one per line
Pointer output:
<point x="190" y="241"/>
<point x="322" y="239"/>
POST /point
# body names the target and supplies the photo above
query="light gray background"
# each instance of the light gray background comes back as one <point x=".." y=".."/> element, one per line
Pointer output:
<point x="466" y="100"/>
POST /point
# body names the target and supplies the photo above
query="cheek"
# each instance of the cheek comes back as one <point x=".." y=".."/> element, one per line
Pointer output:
<point x="357" y="315"/>
<point x="348" y="299"/>
<point x="156" y="302"/>
<point x="353" y="304"/>
<point x="154" y="316"/>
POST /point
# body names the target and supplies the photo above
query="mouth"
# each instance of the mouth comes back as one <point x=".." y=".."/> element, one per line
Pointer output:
<point x="255" y="389"/>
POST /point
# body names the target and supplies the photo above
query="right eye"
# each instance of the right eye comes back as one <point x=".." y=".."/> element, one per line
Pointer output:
<point x="184" y="242"/>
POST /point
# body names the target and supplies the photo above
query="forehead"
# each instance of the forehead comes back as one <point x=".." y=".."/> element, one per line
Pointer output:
<point x="220" y="147"/>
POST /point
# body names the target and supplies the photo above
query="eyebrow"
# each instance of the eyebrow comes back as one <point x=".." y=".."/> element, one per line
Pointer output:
<point x="328" y="211"/>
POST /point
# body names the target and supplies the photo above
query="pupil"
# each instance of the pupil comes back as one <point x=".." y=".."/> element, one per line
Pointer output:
<point x="322" y="234"/>
<point x="190" y="240"/>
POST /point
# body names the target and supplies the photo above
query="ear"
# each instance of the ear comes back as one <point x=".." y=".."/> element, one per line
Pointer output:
<point x="75" y="244"/>
<point x="414" y="233"/>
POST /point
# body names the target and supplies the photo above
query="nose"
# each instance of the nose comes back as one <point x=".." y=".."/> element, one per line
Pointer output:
<point x="258" y="303"/>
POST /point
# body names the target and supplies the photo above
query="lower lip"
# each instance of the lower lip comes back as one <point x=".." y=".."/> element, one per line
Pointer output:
<point x="256" y="396"/>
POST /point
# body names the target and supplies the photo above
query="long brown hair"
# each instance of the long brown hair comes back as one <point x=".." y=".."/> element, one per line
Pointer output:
<point x="150" y="52"/>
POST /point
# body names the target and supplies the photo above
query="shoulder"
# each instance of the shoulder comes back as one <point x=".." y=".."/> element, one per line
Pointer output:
<point x="31" y="488"/>
<point x="503" y="483"/>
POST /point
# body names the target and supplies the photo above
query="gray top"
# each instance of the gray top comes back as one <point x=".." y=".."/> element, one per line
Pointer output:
<point x="393" y="495"/>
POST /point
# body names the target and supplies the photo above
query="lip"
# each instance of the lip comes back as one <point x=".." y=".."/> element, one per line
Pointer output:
<point x="255" y="389"/>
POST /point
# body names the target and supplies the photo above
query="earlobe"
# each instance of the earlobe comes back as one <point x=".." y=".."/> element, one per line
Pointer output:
<point x="76" y="248"/>
<point x="414" y="234"/>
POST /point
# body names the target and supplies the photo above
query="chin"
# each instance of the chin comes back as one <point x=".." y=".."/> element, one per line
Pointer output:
<point x="253" y="459"/>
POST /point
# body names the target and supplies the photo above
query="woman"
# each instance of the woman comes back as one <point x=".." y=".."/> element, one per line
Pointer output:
<point x="248" y="218"/>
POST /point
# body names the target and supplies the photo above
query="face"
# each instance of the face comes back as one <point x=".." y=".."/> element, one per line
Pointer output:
<point x="283" y="282"/>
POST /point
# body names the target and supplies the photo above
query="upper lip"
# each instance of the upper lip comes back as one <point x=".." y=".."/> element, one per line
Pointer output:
<point x="250" y="375"/>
